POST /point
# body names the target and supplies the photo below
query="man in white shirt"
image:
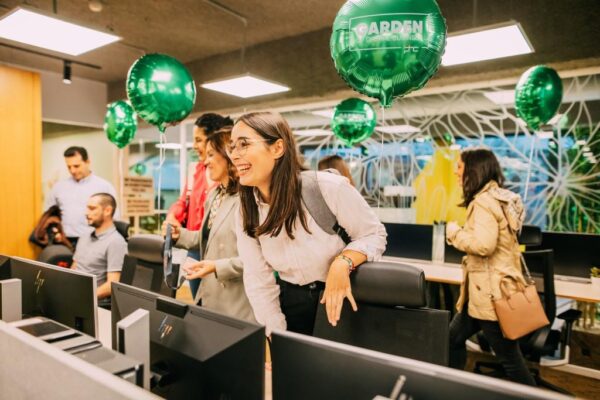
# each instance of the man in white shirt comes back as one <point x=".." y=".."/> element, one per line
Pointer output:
<point x="71" y="194"/>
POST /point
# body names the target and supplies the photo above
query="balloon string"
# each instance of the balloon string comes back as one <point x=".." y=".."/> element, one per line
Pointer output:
<point x="380" y="158"/>
<point x="121" y="177"/>
<point x="533" y="140"/>
<point x="161" y="160"/>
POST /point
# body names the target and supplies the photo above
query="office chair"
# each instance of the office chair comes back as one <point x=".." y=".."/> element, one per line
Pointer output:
<point x="392" y="316"/>
<point x="62" y="256"/>
<point x="123" y="229"/>
<point x="143" y="265"/>
<point x="542" y="345"/>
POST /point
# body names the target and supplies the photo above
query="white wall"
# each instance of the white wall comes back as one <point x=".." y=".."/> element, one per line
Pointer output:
<point x="103" y="156"/>
<point x="83" y="102"/>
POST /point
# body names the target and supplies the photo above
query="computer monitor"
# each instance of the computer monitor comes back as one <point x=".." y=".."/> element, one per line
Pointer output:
<point x="145" y="275"/>
<point x="574" y="253"/>
<point x="64" y="295"/>
<point x="419" y="333"/>
<point x="305" y="367"/>
<point x="43" y="371"/>
<point x="452" y="255"/>
<point x="409" y="241"/>
<point x="194" y="352"/>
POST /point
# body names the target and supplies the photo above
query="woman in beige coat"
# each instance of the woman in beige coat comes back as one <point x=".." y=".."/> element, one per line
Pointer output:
<point x="492" y="254"/>
<point x="221" y="269"/>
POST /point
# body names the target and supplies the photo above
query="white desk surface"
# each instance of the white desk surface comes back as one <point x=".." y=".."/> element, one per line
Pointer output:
<point x="452" y="273"/>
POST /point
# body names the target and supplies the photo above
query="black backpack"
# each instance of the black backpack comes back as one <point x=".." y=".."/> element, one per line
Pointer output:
<point x="317" y="207"/>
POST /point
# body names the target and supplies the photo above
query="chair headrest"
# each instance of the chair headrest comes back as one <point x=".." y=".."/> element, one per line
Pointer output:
<point x="389" y="284"/>
<point x="531" y="235"/>
<point x="146" y="247"/>
<point x="122" y="228"/>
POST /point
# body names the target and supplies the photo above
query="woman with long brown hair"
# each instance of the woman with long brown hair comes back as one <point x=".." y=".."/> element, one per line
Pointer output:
<point x="276" y="233"/>
<point x="336" y="162"/>
<point x="489" y="240"/>
<point x="220" y="268"/>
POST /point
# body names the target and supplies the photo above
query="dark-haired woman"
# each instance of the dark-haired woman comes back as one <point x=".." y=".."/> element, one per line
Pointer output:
<point x="221" y="268"/>
<point x="494" y="215"/>
<point x="276" y="233"/>
<point x="336" y="162"/>
<point x="189" y="208"/>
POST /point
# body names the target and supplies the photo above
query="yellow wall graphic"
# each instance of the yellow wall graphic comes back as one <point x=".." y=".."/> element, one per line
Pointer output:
<point x="437" y="190"/>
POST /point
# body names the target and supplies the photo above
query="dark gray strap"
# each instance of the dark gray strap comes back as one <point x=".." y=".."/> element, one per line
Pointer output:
<point x="315" y="203"/>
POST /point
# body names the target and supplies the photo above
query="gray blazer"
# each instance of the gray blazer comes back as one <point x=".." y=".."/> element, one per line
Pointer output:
<point x="222" y="291"/>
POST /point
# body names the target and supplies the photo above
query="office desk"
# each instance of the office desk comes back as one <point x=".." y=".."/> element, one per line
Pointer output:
<point x="452" y="273"/>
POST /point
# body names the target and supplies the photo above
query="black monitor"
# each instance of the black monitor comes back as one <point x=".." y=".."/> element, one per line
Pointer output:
<point x="417" y="333"/>
<point x="309" y="368"/>
<point x="64" y="295"/>
<point x="145" y="275"/>
<point x="452" y="255"/>
<point x="194" y="352"/>
<point x="574" y="253"/>
<point x="409" y="241"/>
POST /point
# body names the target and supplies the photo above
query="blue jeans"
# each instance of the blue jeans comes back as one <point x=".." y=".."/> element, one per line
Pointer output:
<point x="194" y="283"/>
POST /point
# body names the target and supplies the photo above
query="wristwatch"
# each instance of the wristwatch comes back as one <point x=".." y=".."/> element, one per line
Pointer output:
<point x="348" y="260"/>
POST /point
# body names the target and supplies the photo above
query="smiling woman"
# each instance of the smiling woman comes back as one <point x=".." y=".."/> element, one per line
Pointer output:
<point x="221" y="288"/>
<point x="277" y="234"/>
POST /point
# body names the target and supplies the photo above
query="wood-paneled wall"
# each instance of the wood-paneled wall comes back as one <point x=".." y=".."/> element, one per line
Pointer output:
<point x="20" y="159"/>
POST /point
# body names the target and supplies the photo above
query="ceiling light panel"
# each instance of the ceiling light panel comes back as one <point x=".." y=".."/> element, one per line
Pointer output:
<point x="245" y="86"/>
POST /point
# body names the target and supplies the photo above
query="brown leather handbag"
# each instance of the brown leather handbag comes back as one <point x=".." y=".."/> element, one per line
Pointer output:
<point x="521" y="312"/>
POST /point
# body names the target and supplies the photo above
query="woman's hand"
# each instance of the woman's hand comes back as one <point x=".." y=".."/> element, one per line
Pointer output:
<point x="175" y="227"/>
<point x="451" y="228"/>
<point x="337" y="288"/>
<point x="200" y="269"/>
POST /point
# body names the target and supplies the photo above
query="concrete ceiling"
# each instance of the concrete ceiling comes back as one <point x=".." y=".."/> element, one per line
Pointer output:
<point x="288" y="41"/>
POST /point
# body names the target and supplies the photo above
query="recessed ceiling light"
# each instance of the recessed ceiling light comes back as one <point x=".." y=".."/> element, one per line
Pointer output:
<point x="325" y="113"/>
<point x="168" y="146"/>
<point x="398" y="129"/>
<point x="486" y="43"/>
<point x="545" y="134"/>
<point x="501" y="97"/>
<point x="313" y="132"/>
<point x="48" y="32"/>
<point x="245" y="86"/>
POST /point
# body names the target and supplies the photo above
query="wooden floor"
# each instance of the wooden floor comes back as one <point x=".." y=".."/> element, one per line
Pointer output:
<point x="580" y="386"/>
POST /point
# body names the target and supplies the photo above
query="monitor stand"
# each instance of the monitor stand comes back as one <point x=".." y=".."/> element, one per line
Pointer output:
<point x="133" y="340"/>
<point x="10" y="300"/>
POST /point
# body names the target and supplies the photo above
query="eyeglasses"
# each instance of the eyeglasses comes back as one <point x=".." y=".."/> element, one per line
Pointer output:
<point x="241" y="146"/>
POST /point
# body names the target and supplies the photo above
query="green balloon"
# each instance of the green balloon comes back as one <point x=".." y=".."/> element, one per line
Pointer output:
<point x="538" y="95"/>
<point x="388" y="48"/>
<point x="139" y="169"/>
<point x="353" y="121"/>
<point x="161" y="90"/>
<point x="120" y="123"/>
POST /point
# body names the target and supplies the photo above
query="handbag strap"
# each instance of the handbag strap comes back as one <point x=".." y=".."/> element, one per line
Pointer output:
<point x="514" y="235"/>
<point x="523" y="263"/>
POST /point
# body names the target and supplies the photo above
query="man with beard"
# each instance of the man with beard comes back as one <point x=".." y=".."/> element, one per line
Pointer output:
<point x="102" y="252"/>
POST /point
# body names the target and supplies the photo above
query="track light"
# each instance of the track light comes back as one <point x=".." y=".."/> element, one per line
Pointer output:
<point x="67" y="72"/>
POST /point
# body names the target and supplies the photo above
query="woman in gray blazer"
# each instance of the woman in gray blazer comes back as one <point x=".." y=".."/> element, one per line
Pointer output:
<point x="221" y="268"/>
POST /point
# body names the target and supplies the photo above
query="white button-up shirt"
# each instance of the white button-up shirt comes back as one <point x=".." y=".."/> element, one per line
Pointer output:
<point x="308" y="257"/>
<point x="71" y="197"/>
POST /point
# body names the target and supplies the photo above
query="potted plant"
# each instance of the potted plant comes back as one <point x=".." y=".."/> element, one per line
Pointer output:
<point x="595" y="275"/>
